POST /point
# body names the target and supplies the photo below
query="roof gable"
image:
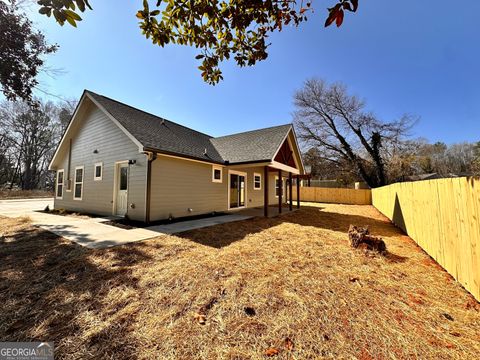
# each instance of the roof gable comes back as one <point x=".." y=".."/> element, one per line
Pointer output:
<point x="159" y="134"/>
<point x="153" y="133"/>
<point x="285" y="155"/>
<point x="251" y="146"/>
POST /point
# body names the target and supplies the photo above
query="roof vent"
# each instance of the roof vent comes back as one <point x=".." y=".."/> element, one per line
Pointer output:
<point x="205" y="151"/>
<point x="163" y="122"/>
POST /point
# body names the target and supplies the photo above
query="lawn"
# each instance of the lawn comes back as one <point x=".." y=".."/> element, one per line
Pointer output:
<point x="289" y="286"/>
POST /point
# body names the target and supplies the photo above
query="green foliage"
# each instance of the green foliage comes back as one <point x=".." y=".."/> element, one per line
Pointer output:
<point x="220" y="29"/>
<point x="21" y="51"/>
<point x="63" y="10"/>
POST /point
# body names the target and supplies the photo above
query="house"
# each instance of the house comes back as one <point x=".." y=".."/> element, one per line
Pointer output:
<point x="114" y="159"/>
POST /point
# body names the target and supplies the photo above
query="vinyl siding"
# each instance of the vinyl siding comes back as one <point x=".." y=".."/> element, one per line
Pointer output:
<point x="179" y="185"/>
<point x="98" y="132"/>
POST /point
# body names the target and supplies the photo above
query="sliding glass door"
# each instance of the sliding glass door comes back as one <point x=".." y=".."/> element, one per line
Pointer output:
<point x="237" y="191"/>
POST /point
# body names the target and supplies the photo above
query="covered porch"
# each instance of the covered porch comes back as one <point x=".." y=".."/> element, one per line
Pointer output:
<point x="265" y="190"/>
<point x="267" y="185"/>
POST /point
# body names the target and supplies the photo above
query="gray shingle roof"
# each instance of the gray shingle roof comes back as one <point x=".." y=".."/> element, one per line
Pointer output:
<point x="251" y="146"/>
<point x="156" y="133"/>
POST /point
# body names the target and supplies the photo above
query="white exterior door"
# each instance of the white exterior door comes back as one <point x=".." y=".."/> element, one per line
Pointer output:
<point x="122" y="189"/>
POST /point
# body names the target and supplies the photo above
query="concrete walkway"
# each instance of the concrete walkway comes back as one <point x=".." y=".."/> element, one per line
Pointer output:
<point x="90" y="232"/>
<point x="188" y="225"/>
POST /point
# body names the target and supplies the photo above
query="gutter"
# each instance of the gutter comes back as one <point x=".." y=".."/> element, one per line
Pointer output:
<point x="151" y="157"/>
<point x="148" y="149"/>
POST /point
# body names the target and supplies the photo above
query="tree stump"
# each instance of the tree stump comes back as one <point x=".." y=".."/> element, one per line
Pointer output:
<point x="360" y="238"/>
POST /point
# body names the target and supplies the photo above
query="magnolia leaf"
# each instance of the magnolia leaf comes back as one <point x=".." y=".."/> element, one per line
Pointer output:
<point x="355" y="4"/>
<point x="71" y="21"/>
<point x="340" y="15"/>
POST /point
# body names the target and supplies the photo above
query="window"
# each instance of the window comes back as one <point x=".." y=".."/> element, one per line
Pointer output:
<point x="78" y="189"/>
<point x="59" y="192"/>
<point x="123" y="178"/>
<point x="257" y="181"/>
<point x="217" y="174"/>
<point x="277" y="186"/>
<point x="98" y="172"/>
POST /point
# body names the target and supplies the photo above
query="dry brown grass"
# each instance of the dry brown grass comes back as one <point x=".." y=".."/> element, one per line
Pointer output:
<point x="290" y="284"/>
<point x="20" y="194"/>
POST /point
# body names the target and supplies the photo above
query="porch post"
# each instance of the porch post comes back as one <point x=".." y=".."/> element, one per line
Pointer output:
<point x="298" y="192"/>
<point x="290" y="198"/>
<point x="265" y="191"/>
<point x="280" y="191"/>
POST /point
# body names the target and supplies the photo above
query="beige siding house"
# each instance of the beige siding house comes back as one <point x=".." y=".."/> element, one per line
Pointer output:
<point x="117" y="160"/>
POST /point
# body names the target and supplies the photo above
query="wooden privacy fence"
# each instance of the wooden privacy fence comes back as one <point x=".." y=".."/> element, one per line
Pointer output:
<point x="334" y="195"/>
<point x="443" y="217"/>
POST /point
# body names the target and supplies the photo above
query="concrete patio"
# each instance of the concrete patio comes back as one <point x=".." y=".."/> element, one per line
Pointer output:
<point x="91" y="232"/>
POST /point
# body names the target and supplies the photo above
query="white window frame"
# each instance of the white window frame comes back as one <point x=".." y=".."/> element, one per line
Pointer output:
<point x="244" y="174"/>
<point x="99" y="178"/>
<point x="75" y="182"/>
<point x="259" y="175"/>
<point x="63" y="184"/>
<point x="213" y="174"/>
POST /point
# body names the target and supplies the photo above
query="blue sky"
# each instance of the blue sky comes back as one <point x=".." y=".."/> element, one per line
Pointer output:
<point x="401" y="57"/>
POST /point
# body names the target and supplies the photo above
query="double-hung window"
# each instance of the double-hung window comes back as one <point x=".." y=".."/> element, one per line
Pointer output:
<point x="60" y="179"/>
<point x="78" y="186"/>
<point x="257" y="181"/>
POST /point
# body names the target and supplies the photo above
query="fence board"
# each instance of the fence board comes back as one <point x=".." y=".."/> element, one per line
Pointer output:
<point x="334" y="195"/>
<point x="443" y="217"/>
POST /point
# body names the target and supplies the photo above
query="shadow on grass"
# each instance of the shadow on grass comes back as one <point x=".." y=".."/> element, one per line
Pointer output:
<point x="46" y="282"/>
<point x="223" y="235"/>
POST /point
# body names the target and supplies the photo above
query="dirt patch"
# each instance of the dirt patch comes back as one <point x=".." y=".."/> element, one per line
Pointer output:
<point x="287" y="287"/>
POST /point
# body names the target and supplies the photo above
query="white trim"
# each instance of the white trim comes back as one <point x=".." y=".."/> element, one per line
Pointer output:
<point x="75" y="182"/>
<point x="63" y="184"/>
<point x="115" y="185"/>
<point x="275" y="186"/>
<point x="215" y="167"/>
<point x="298" y="149"/>
<point x="257" y="174"/>
<point x="293" y="150"/>
<point x="244" y="174"/>
<point x="281" y="143"/>
<point x="280" y="166"/>
<point x="74" y="118"/>
<point x="133" y="138"/>
<point x="66" y="131"/>
<point x="99" y="178"/>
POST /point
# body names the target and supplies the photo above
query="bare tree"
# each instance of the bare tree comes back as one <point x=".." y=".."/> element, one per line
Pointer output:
<point x="29" y="136"/>
<point x="443" y="159"/>
<point x="476" y="162"/>
<point x="336" y="123"/>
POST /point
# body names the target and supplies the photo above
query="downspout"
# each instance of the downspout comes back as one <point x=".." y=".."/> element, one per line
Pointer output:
<point x="151" y="157"/>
